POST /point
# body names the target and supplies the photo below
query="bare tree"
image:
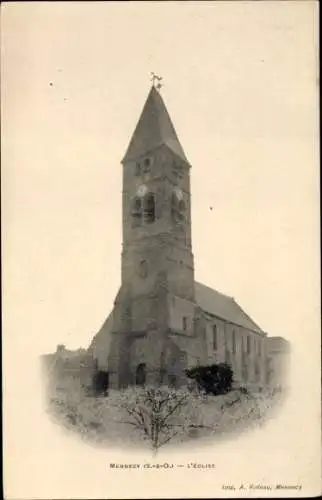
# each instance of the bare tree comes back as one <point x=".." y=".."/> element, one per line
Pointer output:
<point x="160" y="414"/>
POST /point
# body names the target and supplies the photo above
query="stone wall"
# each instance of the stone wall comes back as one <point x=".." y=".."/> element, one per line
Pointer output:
<point x="243" y="349"/>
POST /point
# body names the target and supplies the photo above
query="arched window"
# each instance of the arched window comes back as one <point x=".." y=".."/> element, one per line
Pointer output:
<point x="257" y="371"/>
<point x="147" y="164"/>
<point x="234" y="341"/>
<point x="149" y="207"/>
<point x="248" y="345"/>
<point x="140" y="375"/>
<point x="178" y="208"/>
<point x="181" y="209"/>
<point x="137" y="211"/>
<point x="214" y="338"/>
<point x="174" y="203"/>
<point x="138" y="168"/>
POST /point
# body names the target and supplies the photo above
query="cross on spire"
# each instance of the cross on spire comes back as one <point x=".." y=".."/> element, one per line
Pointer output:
<point x="156" y="80"/>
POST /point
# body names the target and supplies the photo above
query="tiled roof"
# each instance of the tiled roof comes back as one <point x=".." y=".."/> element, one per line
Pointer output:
<point x="154" y="128"/>
<point x="223" y="306"/>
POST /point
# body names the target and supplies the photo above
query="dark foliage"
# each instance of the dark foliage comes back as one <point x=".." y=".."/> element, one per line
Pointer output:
<point x="100" y="383"/>
<point x="213" y="379"/>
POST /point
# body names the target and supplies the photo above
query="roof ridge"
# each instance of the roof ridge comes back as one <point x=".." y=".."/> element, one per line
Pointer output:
<point x="214" y="290"/>
<point x="244" y="312"/>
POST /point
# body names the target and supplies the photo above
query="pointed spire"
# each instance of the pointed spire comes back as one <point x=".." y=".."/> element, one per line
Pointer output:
<point x="154" y="128"/>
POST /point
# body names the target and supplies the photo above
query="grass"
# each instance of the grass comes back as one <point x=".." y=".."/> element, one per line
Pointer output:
<point x="103" y="421"/>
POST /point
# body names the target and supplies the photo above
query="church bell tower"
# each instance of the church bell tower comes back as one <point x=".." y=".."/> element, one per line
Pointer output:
<point x="156" y="303"/>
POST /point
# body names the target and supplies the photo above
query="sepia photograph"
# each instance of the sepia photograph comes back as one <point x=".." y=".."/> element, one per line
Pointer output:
<point x="160" y="249"/>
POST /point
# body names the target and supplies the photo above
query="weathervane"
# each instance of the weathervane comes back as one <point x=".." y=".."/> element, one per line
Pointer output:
<point x="155" y="78"/>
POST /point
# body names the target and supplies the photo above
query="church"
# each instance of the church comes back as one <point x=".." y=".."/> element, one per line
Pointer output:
<point x="163" y="321"/>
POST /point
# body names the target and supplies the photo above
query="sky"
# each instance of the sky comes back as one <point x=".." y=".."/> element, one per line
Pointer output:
<point x="240" y="84"/>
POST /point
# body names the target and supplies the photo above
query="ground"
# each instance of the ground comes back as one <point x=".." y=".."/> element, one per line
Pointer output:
<point x="110" y="421"/>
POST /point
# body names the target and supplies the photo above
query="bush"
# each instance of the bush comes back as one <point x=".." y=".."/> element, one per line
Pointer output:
<point x="213" y="379"/>
<point x="100" y="383"/>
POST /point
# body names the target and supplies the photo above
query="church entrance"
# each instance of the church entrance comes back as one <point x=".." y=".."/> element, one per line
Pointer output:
<point x="140" y="374"/>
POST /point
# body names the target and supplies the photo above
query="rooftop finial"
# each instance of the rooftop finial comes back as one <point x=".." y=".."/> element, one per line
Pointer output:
<point x="156" y="81"/>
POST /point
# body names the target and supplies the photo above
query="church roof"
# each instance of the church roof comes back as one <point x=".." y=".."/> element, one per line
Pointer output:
<point x="210" y="300"/>
<point x="224" y="307"/>
<point x="154" y="129"/>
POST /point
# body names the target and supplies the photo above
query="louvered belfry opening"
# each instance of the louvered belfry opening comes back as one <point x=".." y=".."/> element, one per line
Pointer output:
<point x="149" y="208"/>
<point x="177" y="208"/>
<point x="137" y="211"/>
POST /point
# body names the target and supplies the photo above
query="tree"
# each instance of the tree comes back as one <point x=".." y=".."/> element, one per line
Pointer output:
<point x="159" y="414"/>
<point x="213" y="379"/>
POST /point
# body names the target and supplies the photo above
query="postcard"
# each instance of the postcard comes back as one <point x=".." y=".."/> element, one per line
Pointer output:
<point x="161" y="270"/>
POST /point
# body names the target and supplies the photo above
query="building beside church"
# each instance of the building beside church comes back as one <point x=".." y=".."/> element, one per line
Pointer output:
<point x="163" y="321"/>
<point x="278" y="358"/>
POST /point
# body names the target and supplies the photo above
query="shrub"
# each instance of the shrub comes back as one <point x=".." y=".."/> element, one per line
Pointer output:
<point x="213" y="379"/>
<point x="100" y="383"/>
